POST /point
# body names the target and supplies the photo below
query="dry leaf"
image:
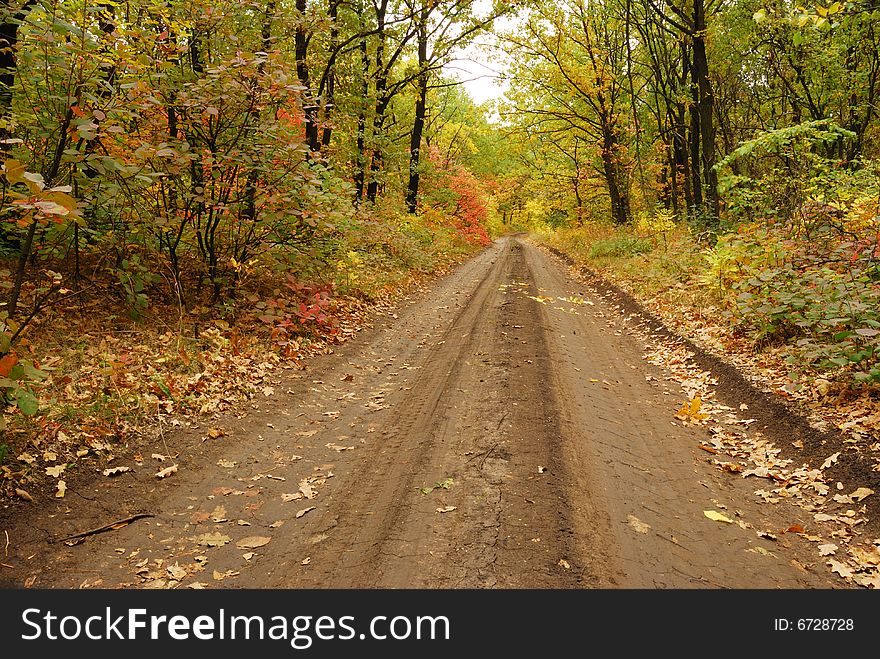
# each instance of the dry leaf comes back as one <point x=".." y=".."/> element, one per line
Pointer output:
<point x="446" y="509"/>
<point x="304" y="511"/>
<point x="337" y="447"/>
<point x="23" y="494"/>
<point x="292" y="497"/>
<point x="306" y="560"/>
<point x="840" y="568"/>
<point x="830" y="460"/>
<point x="55" y="471"/>
<point x="715" y="516"/>
<point x="214" y="433"/>
<point x="252" y="542"/>
<point x="197" y="585"/>
<point x="637" y="524"/>
<point x="307" y="433"/>
<point x="219" y="514"/>
<point x="220" y="576"/>
<point x="794" y="528"/>
<point x="761" y="550"/>
<point x="564" y="564"/>
<point x="176" y="572"/>
<point x="227" y="464"/>
<point x="827" y="549"/>
<point x="690" y="411"/>
<point x="167" y="471"/>
<point x="115" y="471"/>
<point x="306" y="489"/>
<point x="248" y="555"/>
<point x="212" y="539"/>
<point x="278" y="524"/>
<point x="62" y="489"/>
<point x="861" y="493"/>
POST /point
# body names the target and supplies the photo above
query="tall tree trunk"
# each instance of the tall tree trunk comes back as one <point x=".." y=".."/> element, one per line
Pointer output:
<point x="330" y="93"/>
<point x="360" y="170"/>
<point x="309" y="106"/>
<point x="381" y="102"/>
<point x="10" y="19"/>
<point x="705" y="108"/>
<point x="415" y="143"/>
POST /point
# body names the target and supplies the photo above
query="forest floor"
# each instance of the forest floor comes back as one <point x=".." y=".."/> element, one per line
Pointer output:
<point x="516" y="424"/>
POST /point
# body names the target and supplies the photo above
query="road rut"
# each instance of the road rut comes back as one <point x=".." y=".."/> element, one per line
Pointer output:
<point x="486" y="435"/>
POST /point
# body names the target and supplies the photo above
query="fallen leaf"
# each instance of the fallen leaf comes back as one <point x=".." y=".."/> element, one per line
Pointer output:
<point x="292" y="497"/>
<point x="715" y="516"/>
<point x="62" y="489"/>
<point x="304" y="511"/>
<point x="115" y="471"/>
<point x="840" y="569"/>
<point x="830" y="460"/>
<point x="637" y="524"/>
<point x="306" y="560"/>
<point x="868" y="581"/>
<point x="55" y="471"/>
<point x="446" y="509"/>
<point x="278" y="524"/>
<point x="226" y="464"/>
<point x="307" y="491"/>
<point x="690" y="411"/>
<point x="794" y="528"/>
<point x="541" y="469"/>
<point x="861" y="493"/>
<point x="219" y="514"/>
<point x="220" y="576"/>
<point x="307" y="433"/>
<point x="337" y="447"/>
<point x="23" y="494"/>
<point x="197" y="585"/>
<point x="761" y="550"/>
<point x="212" y="539"/>
<point x="167" y="471"/>
<point x="248" y="556"/>
<point x="564" y="564"/>
<point x="214" y="433"/>
<point x="824" y="517"/>
<point x="252" y="542"/>
<point x="445" y="484"/>
<point x="176" y="572"/>
<point x="827" y="549"/>
<point x="156" y="584"/>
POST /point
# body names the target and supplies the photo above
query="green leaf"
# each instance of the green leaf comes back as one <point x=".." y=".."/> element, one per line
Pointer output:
<point x="27" y="402"/>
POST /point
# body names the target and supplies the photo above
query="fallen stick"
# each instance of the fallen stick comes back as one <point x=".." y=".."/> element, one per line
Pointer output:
<point x="112" y="526"/>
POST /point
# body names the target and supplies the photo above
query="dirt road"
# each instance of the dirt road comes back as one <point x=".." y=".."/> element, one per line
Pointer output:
<point x="485" y="435"/>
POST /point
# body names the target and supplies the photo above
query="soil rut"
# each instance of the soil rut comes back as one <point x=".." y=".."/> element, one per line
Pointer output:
<point x="484" y="437"/>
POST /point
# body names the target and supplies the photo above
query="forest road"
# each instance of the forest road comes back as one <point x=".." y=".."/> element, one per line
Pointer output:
<point x="501" y="430"/>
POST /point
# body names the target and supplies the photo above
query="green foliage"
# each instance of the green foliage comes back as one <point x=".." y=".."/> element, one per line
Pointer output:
<point x="619" y="247"/>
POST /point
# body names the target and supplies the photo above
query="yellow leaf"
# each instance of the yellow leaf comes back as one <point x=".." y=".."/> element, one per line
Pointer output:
<point x="14" y="171"/>
<point x="62" y="489"/>
<point x="715" y="516"/>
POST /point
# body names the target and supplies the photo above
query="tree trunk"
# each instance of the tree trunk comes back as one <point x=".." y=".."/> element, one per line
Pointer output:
<point x="309" y="106"/>
<point x="415" y="143"/>
<point x="706" y="116"/>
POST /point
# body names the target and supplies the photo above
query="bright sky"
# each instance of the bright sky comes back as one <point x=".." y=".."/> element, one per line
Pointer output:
<point x="475" y="68"/>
